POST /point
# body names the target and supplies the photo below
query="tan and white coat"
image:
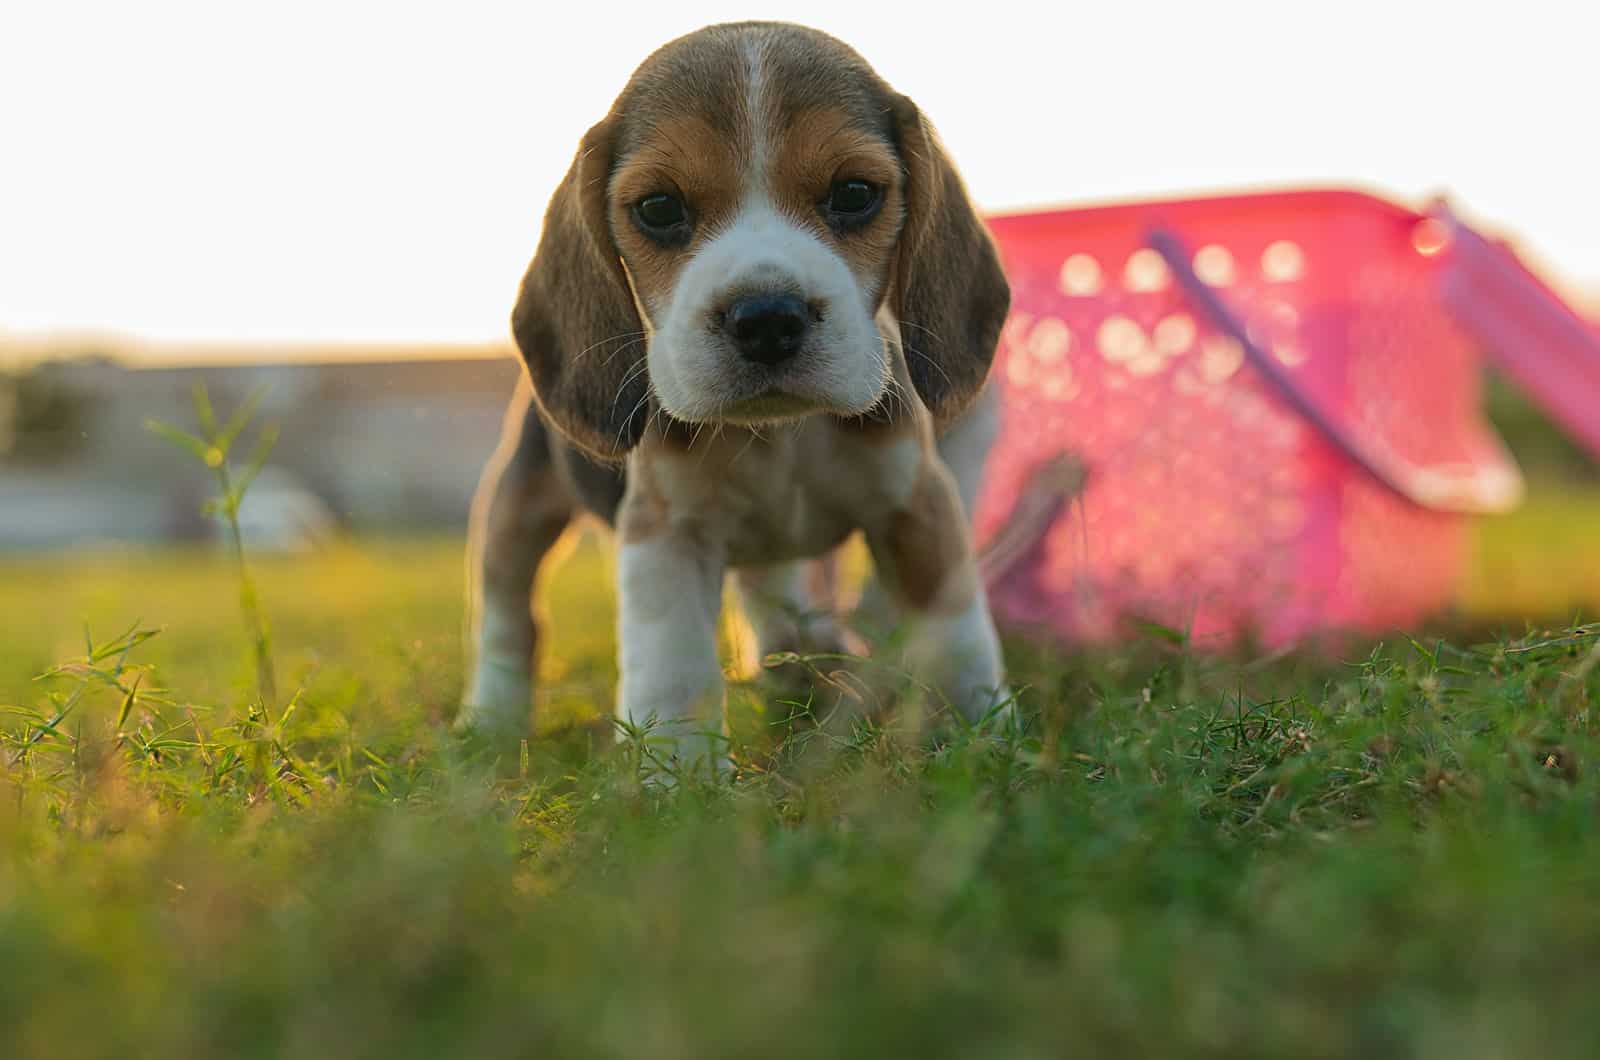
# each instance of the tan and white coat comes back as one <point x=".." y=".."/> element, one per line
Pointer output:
<point x="643" y="406"/>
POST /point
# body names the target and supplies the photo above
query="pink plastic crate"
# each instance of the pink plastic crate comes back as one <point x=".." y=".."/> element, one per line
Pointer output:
<point x="1275" y="413"/>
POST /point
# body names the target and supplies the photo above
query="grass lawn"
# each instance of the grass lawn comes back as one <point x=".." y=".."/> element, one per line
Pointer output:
<point x="1391" y="853"/>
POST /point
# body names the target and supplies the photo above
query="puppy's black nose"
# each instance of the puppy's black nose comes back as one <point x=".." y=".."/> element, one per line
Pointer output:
<point x="767" y="328"/>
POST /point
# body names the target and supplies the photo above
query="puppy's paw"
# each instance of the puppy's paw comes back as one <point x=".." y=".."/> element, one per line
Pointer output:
<point x="497" y="702"/>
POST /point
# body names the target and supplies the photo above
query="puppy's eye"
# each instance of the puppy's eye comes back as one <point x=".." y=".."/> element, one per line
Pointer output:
<point x="853" y="202"/>
<point x="660" y="214"/>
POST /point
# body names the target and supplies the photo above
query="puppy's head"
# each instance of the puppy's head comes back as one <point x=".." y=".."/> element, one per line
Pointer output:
<point x="727" y="234"/>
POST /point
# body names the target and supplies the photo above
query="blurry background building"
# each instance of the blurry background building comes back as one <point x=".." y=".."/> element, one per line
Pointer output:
<point x="390" y="445"/>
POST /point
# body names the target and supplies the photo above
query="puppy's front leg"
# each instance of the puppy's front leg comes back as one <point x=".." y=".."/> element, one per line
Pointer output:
<point x="923" y="554"/>
<point x="669" y="599"/>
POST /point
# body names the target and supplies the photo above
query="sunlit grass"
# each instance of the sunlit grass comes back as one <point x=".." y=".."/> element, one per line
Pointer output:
<point x="1541" y="560"/>
<point x="1391" y="853"/>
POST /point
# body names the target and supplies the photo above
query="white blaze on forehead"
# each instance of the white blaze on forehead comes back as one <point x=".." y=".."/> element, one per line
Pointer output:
<point x="755" y="178"/>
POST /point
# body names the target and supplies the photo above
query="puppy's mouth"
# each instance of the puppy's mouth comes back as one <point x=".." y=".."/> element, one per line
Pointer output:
<point x="771" y="405"/>
<point x="760" y="401"/>
<point x="714" y="384"/>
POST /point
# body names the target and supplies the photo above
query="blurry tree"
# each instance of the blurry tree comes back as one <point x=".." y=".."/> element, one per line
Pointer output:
<point x="41" y="417"/>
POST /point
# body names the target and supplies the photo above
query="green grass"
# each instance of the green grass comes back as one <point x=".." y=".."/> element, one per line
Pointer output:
<point x="1542" y="560"/>
<point x="1391" y="853"/>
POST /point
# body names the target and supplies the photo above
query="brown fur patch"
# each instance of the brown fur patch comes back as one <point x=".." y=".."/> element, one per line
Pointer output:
<point x="927" y="548"/>
<point x="644" y="512"/>
<point x="828" y="144"/>
<point x="687" y="157"/>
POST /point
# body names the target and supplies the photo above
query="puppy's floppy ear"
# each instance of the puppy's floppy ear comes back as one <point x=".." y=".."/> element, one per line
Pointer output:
<point x="575" y="320"/>
<point x="950" y="294"/>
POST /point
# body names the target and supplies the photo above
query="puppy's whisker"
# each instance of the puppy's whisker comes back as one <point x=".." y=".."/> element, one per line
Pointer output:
<point x="632" y="374"/>
<point x="899" y="403"/>
<point x="925" y="330"/>
<point x="659" y="413"/>
<point x="622" y="349"/>
<point x="936" y="365"/>
<point x="746" y="447"/>
<point x="694" y="439"/>
<point x="617" y="441"/>
<point x="634" y="335"/>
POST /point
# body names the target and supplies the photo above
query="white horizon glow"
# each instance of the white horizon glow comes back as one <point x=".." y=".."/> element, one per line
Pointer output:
<point x="375" y="173"/>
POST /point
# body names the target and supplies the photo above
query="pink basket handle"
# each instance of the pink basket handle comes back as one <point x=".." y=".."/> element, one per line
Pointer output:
<point x="1492" y="485"/>
<point x="1533" y="335"/>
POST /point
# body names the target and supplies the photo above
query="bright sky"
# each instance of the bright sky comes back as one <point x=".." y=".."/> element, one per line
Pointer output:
<point x="339" y="171"/>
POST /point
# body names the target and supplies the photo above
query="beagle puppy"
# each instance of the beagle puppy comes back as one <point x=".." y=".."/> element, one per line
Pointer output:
<point x="759" y="319"/>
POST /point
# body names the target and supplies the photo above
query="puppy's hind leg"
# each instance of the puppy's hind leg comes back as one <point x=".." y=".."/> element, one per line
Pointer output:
<point x="518" y="513"/>
<point x="792" y="607"/>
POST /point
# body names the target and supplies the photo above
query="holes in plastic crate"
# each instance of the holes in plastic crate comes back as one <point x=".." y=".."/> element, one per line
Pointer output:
<point x="1220" y="357"/>
<point x="1214" y="265"/>
<point x="1289" y="353"/>
<point x="1145" y="271"/>
<point x="1060" y="385"/>
<point x="1080" y="276"/>
<point x="1148" y="363"/>
<point x="1174" y="334"/>
<point x="1015" y="331"/>
<point x="1039" y="360"/>
<point x="1276" y="331"/>
<point x="1049" y="341"/>
<point x="1020" y="369"/>
<point x="1430" y="236"/>
<point x="1122" y="341"/>
<point x="1188" y="384"/>
<point x="1283" y="262"/>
